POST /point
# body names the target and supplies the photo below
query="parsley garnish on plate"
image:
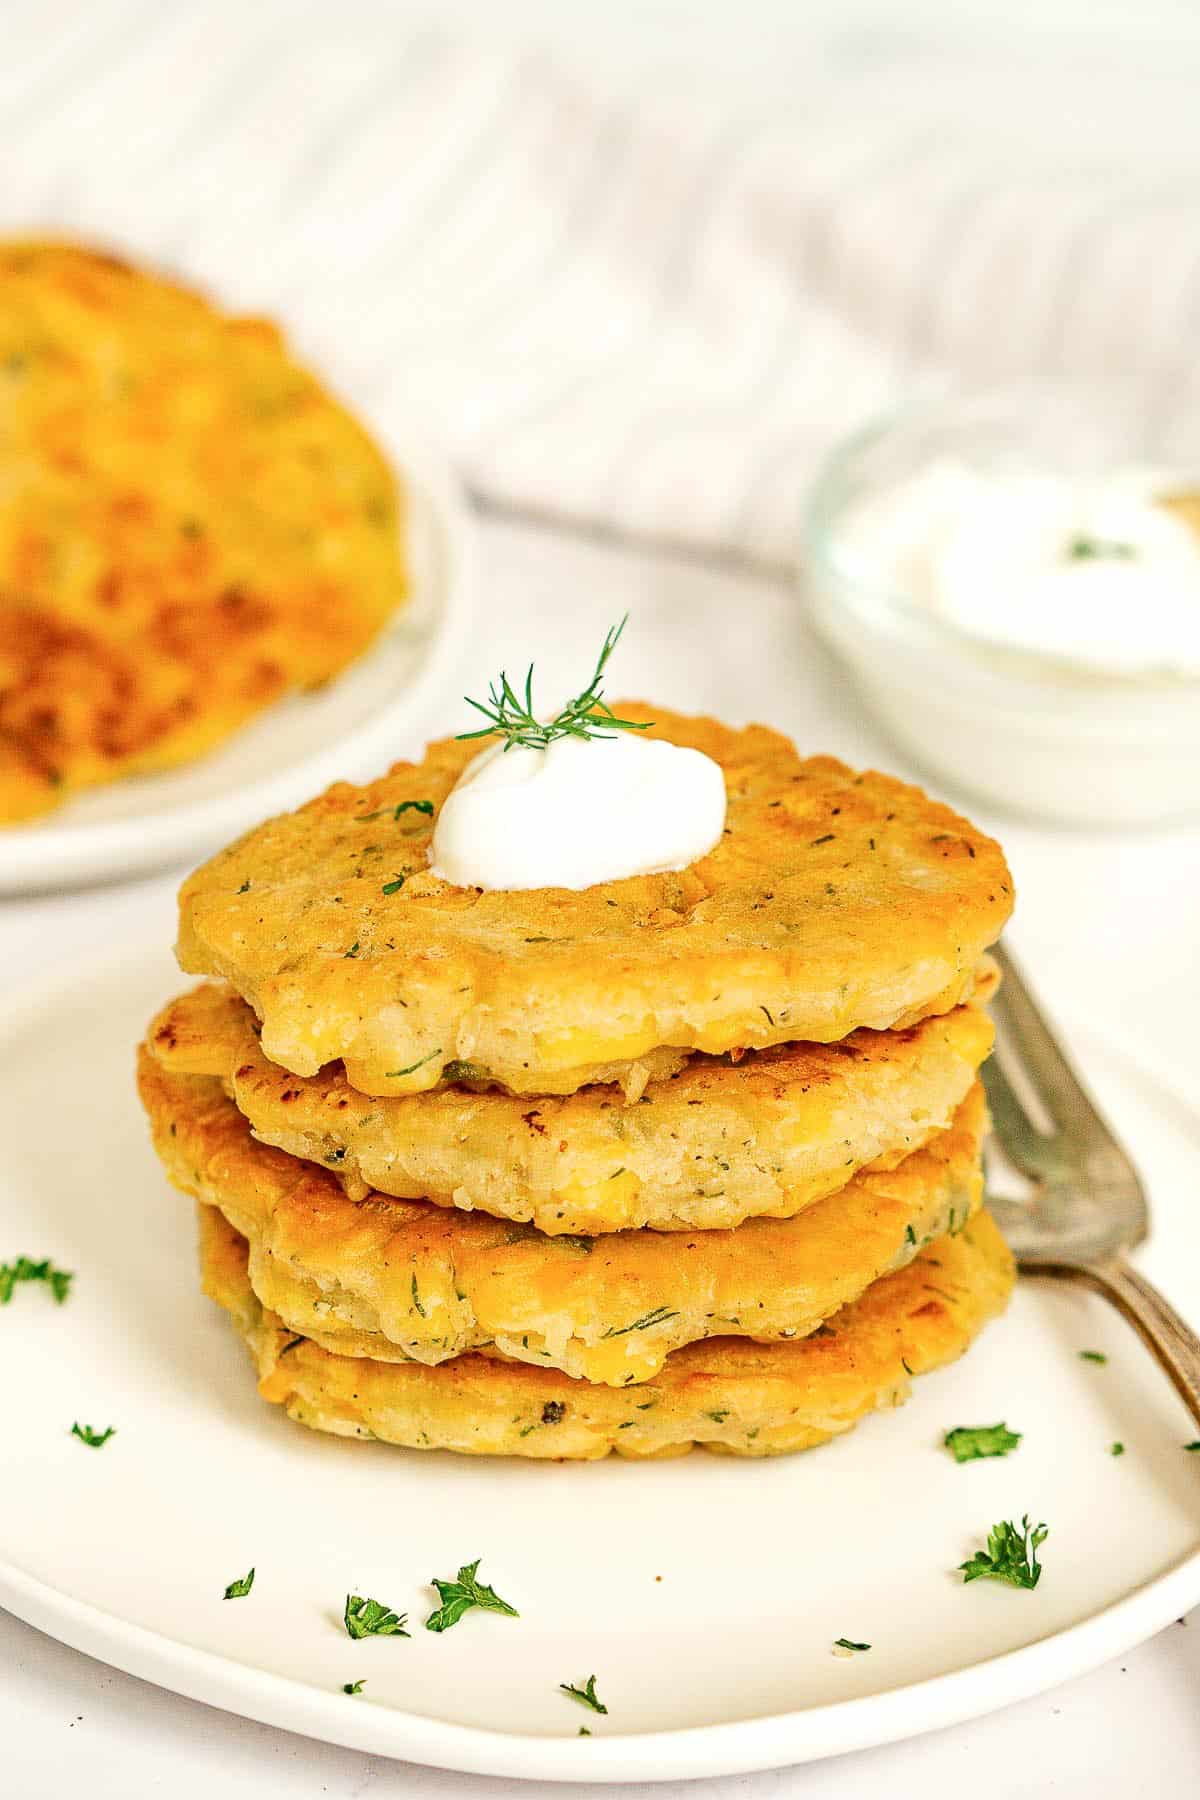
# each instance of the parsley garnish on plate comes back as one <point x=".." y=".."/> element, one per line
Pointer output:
<point x="586" y="1695"/>
<point x="237" y="1590"/>
<point x="1011" y="1555"/>
<point x="1117" y="1449"/>
<point x="967" y="1443"/>
<point x="354" y="1687"/>
<point x="1194" y="1445"/>
<point x="93" y="1439"/>
<point x="25" y="1269"/>
<point x="371" y="1618"/>
<point x="1087" y="549"/>
<point x="849" y="1644"/>
<point x="588" y="715"/>
<point x="1096" y="1356"/>
<point x="463" y="1593"/>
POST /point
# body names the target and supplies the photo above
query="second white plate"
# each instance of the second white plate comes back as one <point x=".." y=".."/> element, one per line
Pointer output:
<point x="347" y="729"/>
<point x="705" y="1594"/>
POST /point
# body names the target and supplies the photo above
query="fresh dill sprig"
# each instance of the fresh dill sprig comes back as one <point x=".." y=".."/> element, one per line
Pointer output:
<point x="1011" y="1555"/>
<point x="511" y="716"/>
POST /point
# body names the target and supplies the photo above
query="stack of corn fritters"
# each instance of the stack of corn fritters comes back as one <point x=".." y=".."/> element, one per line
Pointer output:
<point x="689" y="1158"/>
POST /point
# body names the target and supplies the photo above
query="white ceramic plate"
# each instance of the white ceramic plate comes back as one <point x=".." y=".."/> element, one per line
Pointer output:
<point x="348" y="728"/>
<point x="704" y="1594"/>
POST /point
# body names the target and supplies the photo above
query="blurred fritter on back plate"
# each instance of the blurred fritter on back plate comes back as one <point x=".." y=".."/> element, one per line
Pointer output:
<point x="190" y="526"/>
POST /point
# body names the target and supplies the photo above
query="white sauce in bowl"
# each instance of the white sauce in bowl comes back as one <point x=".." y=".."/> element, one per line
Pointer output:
<point x="1098" y="571"/>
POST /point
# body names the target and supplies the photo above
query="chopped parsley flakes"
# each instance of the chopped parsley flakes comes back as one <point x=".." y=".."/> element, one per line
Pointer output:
<point x="395" y="1074"/>
<point x="237" y="1590"/>
<point x="397" y="812"/>
<point x="461" y="1595"/>
<point x="849" y="1644"/>
<point x="1011" y="1555"/>
<point x="1095" y="1356"/>
<point x="658" y="1316"/>
<point x="371" y="1618"/>
<point x="354" y="1687"/>
<point x="25" y="1269"/>
<point x="93" y="1439"/>
<point x="967" y="1443"/>
<point x="586" y="1695"/>
<point x="1087" y="549"/>
<point x="464" y="1071"/>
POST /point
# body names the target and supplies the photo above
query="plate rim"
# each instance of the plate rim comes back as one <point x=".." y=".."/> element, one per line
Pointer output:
<point x="44" y="858"/>
<point x="738" y="1746"/>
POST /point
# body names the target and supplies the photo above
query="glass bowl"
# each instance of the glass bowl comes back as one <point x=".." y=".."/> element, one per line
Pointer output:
<point x="1034" y="733"/>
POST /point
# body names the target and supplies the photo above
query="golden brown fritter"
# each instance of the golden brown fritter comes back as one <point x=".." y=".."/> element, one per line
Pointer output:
<point x="398" y="1279"/>
<point x="728" y="1395"/>
<point x="833" y="901"/>
<point x="1185" y="506"/>
<point x="191" y="528"/>
<point x="718" y="1143"/>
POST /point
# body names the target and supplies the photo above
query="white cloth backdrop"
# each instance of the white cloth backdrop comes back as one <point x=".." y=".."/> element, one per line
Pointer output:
<point x="646" y="313"/>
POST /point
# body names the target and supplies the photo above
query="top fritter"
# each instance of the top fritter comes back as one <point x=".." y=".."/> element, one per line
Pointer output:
<point x="191" y="526"/>
<point x="832" y="901"/>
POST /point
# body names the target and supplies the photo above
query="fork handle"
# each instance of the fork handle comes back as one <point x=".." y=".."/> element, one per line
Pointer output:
<point x="1160" y="1327"/>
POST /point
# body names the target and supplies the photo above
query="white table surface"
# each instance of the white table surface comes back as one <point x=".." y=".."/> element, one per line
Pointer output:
<point x="1107" y="925"/>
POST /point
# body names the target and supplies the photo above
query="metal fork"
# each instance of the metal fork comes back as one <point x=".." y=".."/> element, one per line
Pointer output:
<point x="1087" y="1207"/>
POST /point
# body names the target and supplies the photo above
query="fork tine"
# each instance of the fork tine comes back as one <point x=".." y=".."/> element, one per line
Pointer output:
<point x="1024" y="1031"/>
<point x="1088" y="1201"/>
<point x="1026" y="1146"/>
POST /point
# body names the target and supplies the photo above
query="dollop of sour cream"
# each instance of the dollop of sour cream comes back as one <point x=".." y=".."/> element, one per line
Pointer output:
<point x="579" y="812"/>
<point x="1101" y="572"/>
